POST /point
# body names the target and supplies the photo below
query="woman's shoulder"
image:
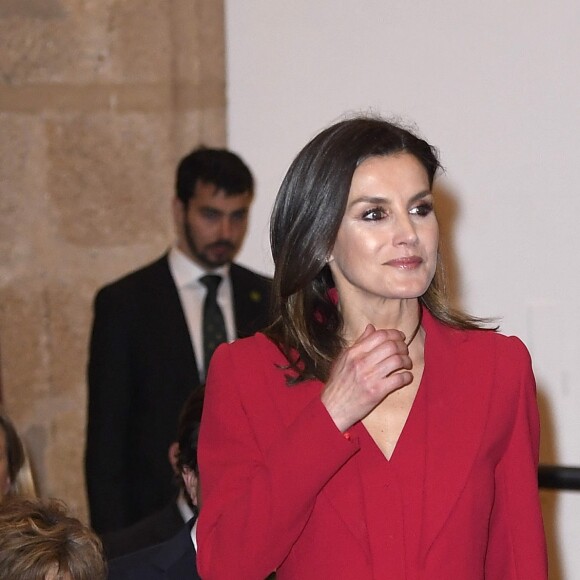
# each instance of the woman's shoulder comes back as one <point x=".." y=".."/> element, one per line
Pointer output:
<point x="497" y="339"/>
<point x="482" y="340"/>
<point x="505" y="349"/>
<point x="255" y="361"/>
<point x="496" y="359"/>
<point x="252" y="348"/>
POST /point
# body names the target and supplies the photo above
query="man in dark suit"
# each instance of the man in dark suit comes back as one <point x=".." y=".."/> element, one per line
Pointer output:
<point x="175" y="559"/>
<point x="147" y="345"/>
<point x="154" y="529"/>
<point x="172" y="560"/>
<point x="168" y="521"/>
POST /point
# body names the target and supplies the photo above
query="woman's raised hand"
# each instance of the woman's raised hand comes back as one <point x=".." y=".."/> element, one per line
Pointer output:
<point x="376" y="364"/>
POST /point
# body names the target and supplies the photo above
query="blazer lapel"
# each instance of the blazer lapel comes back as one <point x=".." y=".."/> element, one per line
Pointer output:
<point x="457" y="404"/>
<point x="345" y="493"/>
<point x="344" y="490"/>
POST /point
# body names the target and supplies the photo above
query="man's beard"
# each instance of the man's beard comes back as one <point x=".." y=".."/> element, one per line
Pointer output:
<point x="202" y="256"/>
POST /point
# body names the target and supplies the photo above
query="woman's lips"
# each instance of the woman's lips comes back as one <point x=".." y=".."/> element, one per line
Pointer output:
<point x="405" y="263"/>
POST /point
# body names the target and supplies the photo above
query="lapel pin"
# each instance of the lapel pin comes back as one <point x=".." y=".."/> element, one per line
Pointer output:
<point x="255" y="296"/>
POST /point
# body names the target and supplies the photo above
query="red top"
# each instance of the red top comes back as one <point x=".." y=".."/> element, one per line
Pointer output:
<point x="283" y="489"/>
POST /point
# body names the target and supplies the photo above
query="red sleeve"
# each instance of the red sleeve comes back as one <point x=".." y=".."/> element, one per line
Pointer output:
<point x="257" y="495"/>
<point x="517" y="544"/>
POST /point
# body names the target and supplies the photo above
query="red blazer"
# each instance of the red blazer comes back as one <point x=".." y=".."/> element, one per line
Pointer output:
<point x="283" y="489"/>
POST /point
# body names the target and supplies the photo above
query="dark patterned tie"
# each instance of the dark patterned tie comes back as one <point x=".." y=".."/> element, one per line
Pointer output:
<point x="214" y="328"/>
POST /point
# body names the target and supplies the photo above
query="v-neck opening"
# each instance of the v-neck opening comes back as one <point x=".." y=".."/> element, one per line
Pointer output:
<point x="406" y="427"/>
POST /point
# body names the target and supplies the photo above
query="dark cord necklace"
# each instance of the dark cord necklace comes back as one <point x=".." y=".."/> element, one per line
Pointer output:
<point x="416" y="331"/>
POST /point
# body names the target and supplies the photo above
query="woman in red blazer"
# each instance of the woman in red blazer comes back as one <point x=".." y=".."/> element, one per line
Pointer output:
<point x="372" y="431"/>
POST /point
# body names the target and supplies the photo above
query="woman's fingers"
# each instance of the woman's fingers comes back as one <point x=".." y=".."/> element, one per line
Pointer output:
<point x="375" y="365"/>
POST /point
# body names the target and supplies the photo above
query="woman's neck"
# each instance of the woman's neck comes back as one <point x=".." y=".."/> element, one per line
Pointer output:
<point x="403" y="315"/>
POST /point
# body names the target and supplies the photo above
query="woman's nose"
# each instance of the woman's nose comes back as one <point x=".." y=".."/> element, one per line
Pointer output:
<point x="406" y="232"/>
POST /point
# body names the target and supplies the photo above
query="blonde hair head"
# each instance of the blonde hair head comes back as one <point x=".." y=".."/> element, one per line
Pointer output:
<point x="39" y="540"/>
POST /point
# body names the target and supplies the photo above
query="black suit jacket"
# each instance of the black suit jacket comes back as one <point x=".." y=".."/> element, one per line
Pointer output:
<point x="175" y="559"/>
<point x="154" y="529"/>
<point x="141" y="370"/>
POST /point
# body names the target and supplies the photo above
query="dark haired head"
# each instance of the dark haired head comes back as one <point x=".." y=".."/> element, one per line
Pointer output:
<point x="187" y="471"/>
<point x="219" y="167"/>
<point x="305" y="221"/>
<point x="188" y="429"/>
<point x="312" y="198"/>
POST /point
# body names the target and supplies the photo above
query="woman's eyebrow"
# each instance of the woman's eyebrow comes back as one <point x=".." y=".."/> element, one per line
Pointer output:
<point x="378" y="199"/>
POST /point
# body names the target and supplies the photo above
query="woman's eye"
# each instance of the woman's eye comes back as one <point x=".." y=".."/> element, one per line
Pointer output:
<point x="422" y="209"/>
<point x="376" y="213"/>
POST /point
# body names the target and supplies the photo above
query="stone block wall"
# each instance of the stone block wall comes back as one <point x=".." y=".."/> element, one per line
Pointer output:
<point x="98" y="101"/>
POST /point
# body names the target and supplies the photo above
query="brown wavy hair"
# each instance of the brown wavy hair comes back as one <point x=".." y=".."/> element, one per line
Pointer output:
<point x="38" y="539"/>
<point x="304" y="224"/>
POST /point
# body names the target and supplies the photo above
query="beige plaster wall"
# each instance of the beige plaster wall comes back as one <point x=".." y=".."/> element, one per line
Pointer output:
<point x="98" y="101"/>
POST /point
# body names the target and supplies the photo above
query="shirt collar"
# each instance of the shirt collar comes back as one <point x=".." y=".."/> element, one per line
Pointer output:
<point x="186" y="512"/>
<point x="193" y="534"/>
<point x="186" y="272"/>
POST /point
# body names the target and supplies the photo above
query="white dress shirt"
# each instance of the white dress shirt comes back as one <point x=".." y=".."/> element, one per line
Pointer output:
<point x="193" y="535"/>
<point x="186" y="274"/>
<point x="185" y="511"/>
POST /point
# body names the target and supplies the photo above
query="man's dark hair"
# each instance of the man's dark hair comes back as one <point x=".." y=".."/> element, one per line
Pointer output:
<point x="188" y="430"/>
<point x="219" y="167"/>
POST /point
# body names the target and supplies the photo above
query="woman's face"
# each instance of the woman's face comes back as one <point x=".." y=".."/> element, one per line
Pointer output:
<point x="387" y="242"/>
<point x="4" y="473"/>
